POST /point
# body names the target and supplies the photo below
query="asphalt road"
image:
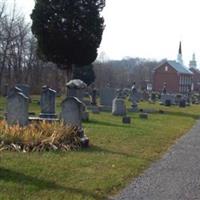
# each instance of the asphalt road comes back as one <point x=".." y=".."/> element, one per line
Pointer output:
<point x="175" y="177"/>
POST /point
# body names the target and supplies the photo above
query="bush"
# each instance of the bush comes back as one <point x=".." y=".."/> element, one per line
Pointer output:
<point x="38" y="137"/>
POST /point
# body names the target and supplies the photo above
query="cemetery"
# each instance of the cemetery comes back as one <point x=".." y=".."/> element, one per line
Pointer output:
<point x="122" y="143"/>
<point x="76" y="125"/>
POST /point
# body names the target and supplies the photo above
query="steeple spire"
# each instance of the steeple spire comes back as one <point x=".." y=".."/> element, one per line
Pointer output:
<point x="193" y="63"/>
<point x="179" y="57"/>
<point x="180" y="49"/>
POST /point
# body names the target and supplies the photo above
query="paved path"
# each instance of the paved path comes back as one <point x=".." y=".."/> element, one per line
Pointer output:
<point x="175" y="177"/>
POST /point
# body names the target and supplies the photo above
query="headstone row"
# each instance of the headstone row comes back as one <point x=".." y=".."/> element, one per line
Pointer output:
<point x="17" y="107"/>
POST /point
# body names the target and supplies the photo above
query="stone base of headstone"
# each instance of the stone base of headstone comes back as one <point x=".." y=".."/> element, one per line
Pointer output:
<point x="47" y="115"/>
<point x="39" y="119"/>
<point x="105" y="108"/>
<point x="85" y="116"/>
<point x="126" y="120"/>
<point x="84" y="142"/>
<point x="143" y="116"/>
<point x="31" y="113"/>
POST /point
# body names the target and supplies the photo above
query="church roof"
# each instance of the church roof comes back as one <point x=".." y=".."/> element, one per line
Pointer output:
<point x="195" y="70"/>
<point x="179" y="67"/>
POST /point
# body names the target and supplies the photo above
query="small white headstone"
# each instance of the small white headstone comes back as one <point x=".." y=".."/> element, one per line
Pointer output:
<point x="118" y="107"/>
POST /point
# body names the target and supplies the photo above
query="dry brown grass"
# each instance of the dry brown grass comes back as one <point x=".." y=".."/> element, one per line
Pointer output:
<point x="38" y="137"/>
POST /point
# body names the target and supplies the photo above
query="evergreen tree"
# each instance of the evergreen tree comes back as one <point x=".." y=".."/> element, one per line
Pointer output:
<point x="85" y="73"/>
<point x="68" y="32"/>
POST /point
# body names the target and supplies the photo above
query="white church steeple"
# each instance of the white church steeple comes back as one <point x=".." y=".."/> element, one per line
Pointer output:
<point x="179" y="57"/>
<point x="193" y="63"/>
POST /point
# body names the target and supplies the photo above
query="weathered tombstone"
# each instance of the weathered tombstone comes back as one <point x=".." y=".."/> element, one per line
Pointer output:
<point x="134" y="98"/>
<point x="47" y="102"/>
<point x="17" y="108"/>
<point x="118" y="107"/>
<point x="71" y="114"/>
<point x="153" y="97"/>
<point x="25" y="89"/>
<point x="126" y="120"/>
<point x="106" y="96"/>
<point x="76" y="88"/>
<point x="71" y="111"/>
<point x="85" y="116"/>
<point x="94" y="97"/>
<point x="143" y="115"/>
<point x="14" y="90"/>
<point x="168" y="99"/>
<point x="182" y="103"/>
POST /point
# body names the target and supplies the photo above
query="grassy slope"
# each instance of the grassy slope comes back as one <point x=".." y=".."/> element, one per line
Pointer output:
<point x="118" y="153"/>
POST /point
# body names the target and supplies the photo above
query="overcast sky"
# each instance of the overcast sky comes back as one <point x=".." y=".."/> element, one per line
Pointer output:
<point x="147" y="28"/>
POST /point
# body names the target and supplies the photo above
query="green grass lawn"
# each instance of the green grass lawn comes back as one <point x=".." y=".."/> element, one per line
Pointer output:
<point x="118" y="153"/>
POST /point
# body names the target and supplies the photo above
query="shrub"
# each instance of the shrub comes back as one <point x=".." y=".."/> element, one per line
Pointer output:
<point x="40" y="136"/>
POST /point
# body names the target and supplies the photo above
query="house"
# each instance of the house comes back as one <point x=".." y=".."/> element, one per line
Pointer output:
<point x="172" y="76"/>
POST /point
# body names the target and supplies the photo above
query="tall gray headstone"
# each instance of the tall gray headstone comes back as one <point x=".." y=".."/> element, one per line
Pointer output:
<point x="119" y="107"/>
<point x="47" y="102"/>
<point x="134" y="98"/>
<point x="17" y="108"/>
<point x="94" y="97"/>
<point x="76" y="88"/>
<point x="106" y="96"/>
<point x="71" y="111"/>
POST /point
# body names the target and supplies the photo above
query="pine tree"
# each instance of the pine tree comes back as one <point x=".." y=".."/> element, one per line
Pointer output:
<point x="68" y="32"/>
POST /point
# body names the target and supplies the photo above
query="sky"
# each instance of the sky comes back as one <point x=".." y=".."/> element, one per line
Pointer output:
<point x="149" y="29"/>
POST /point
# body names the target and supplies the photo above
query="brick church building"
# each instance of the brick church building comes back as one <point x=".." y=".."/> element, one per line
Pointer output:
<point x="173" y="76"/>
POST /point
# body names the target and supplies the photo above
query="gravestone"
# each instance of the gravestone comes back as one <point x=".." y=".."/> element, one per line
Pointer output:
<point x="126" y="120"/>
<point x="47" y="102"/>
<point x="118" y="107"/>
<point x="106" y="96"/>
<point x="25" y="89"/>
<point x="94" y="97"/>
<point x="167" y="99"/>
<point x="14" y="90"/>
<point x="17" y="108"/>
<point x="182" y="103"/>
<point x="76" y="88"/>
<point x="134" y="98"/>
<point x="71" y="111"/>
<point x="143" y="115"/>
